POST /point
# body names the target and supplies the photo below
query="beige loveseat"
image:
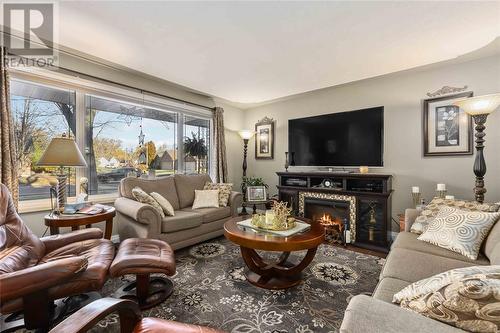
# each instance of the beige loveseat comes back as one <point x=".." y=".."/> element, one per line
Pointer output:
<point x="188" y="226"/>
<point x="411" y="260"/>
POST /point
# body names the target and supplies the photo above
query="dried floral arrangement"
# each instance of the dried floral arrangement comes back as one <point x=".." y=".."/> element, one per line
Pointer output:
<point x="279" y="219"/>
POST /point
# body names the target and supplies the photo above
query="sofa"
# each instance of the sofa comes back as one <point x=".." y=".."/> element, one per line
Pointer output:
<point x="411" y="260"/>
<point x="187" y="227"/>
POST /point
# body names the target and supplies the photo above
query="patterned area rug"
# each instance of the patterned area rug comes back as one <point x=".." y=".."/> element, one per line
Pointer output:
<point x="211" y="290"/>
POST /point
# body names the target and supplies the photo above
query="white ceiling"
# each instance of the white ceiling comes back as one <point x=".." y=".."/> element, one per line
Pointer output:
<point x="250" y="52"/>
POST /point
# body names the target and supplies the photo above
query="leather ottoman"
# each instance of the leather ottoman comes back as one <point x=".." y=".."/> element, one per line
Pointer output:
<point x="142" y="257"/>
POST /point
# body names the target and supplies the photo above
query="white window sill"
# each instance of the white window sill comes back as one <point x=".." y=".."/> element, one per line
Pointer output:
<point x="31" y="206"/>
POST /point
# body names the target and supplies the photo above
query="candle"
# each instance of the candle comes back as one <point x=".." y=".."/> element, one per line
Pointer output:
<point x="269" y="217"/>
<point x="441" y="187"/>
<point x="450" y="197"/>
<point x="415" y="189"/>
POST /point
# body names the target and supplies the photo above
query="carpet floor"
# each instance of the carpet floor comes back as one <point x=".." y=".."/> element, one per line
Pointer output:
<point x="210" y="289"/>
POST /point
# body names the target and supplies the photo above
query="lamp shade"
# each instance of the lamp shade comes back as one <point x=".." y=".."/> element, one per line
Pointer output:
<point x="246" y="134"/>
<point x="62" y="152"/>
<point x="479" y="105"/>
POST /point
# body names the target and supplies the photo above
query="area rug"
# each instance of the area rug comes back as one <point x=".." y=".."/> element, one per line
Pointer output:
<point x="211" y="290"/>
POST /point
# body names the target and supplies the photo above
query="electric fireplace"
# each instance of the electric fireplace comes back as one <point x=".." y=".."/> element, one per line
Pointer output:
<point x="336" y="212"/>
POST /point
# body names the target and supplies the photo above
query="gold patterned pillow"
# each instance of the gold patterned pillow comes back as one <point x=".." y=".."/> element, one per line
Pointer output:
<point x="141" y="196"/>
<point x="432" y="209"/>
<point x="438" y="281"/>
<point x="224" y="191"/>
<point x="459" y="231"/>
<point x="471" y="303"/>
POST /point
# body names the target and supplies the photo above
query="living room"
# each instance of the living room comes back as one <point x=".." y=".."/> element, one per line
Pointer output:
<point x="163" y="154"/>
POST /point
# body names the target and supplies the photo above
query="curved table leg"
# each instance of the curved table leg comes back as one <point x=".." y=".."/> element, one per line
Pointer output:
<point x="274" y="275"/>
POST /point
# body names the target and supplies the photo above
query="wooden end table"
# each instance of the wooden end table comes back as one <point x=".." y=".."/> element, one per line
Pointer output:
<point x="54" y="222"/>
<point x="280" y="274"/>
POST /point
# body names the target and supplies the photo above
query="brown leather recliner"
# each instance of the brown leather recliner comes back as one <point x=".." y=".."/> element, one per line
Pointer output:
<point x="130" y="319"/>
<point x="36" y="271"/>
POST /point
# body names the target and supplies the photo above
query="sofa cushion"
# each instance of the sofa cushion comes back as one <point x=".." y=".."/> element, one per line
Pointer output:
<point x="225" y="190"/>
<point x="163" y="185"/>
<point x="181" y="221"/>
<point x="366" y="314"/>
<point x="388" y="287"/>
<point x="186" y="184"/>
<point x="145" y="198"/>
<point x="408" y="240"/>
<point x="211" y="214"/>
<point x="412" y="265"/>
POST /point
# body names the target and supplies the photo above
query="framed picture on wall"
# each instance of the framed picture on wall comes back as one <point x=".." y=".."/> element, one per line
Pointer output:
<point x="447" y="129"/>
<point x="264" y="139"/>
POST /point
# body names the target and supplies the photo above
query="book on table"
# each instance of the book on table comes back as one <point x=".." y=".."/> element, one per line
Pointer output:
<point x="85" y="208"/>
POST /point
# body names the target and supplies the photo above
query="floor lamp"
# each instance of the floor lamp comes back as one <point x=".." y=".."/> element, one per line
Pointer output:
<point x="479" y="108"/>
<point x="245" y="135"/>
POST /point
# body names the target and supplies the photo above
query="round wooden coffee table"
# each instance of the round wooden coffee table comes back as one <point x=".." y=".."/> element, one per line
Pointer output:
<point x="280" y="274"/>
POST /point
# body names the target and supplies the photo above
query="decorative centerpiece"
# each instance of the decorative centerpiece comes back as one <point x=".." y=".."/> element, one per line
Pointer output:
<point x="278" y="218"/>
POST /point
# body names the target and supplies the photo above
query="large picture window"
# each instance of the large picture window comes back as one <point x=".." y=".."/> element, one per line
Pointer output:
<point x="124" y="139"/>
<point x="119" y="131"/>
<point x="40" y="113"/>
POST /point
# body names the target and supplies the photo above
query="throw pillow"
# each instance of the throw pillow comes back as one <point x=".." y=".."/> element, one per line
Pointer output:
<point x="206" y="199"/>
<point x="459" y="231"/>
<point x="471" y="303"/>
<point x="438" y="281"/>
<point x="432" y="209"/>
<point x="145" y="198"/>
<point x="224" y="191"/>
<point x="164" y="203"/>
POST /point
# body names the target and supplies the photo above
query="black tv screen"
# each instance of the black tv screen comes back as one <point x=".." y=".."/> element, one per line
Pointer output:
<point x="352" y="138"/>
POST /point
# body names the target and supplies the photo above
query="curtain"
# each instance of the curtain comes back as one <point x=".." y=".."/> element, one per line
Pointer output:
<point x="219" y="170"/>
<point x="8" y="162"/>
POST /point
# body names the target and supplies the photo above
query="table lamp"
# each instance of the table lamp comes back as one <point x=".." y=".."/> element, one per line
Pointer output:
<point x="245" y="135"/>
<point x="479" y="108"/>
<point x="62" y="152"/>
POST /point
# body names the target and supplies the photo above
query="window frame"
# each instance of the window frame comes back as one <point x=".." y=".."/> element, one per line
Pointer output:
<point x="82" y="88"/>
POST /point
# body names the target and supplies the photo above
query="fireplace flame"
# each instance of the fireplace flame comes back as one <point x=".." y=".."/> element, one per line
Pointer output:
<point x="327" y="219"/>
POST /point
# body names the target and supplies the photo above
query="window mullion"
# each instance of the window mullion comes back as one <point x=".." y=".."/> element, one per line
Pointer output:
<point x="180" y="146"/>
<point x="80" y="134"/>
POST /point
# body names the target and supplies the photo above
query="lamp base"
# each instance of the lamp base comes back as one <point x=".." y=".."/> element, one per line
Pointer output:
<point x="61" y="192"/>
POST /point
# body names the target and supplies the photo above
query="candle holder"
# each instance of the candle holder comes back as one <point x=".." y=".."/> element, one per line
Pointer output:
<point x="416" y="198"/>
<point x="441" y="194"/>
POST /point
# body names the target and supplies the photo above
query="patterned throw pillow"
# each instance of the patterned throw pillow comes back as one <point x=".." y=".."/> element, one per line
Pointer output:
<point x="438" y="281"/>
<point x="459" y="231"/>
<point x="471" y="303"/>
<point x="164" y="203"/>
<point x="206" y="199"/>
<point x="143" y="197"/>
<point x="224" y="191"/>
<point x="432" y="209"/>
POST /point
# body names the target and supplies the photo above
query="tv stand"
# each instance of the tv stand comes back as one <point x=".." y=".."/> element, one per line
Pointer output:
<point x="369" y="190"/>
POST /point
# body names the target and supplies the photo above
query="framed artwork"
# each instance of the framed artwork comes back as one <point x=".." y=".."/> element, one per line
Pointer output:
<point x="264" y="139"/>
<point x="256" y="193"/>
<point x="447" y="129"/>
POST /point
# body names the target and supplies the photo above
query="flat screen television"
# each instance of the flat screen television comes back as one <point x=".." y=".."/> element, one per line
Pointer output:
<point x="344" y="139"/>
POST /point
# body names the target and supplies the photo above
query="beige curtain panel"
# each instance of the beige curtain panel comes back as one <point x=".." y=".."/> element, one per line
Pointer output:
<point x="8" y="162"/>
<point x="220" y="160"/>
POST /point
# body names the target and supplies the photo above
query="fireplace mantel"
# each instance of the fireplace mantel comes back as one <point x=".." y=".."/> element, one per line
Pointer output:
<point x="372" y="193"/>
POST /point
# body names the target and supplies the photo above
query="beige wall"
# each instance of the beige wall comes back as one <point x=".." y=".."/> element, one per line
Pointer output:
<point x="401" y="94"/>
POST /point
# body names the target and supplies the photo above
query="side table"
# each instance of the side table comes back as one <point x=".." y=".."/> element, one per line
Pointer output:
<point x="54" y="222"/>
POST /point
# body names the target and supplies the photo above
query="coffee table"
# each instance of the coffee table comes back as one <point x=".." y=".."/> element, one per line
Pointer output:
<point x="279" y="274"/>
